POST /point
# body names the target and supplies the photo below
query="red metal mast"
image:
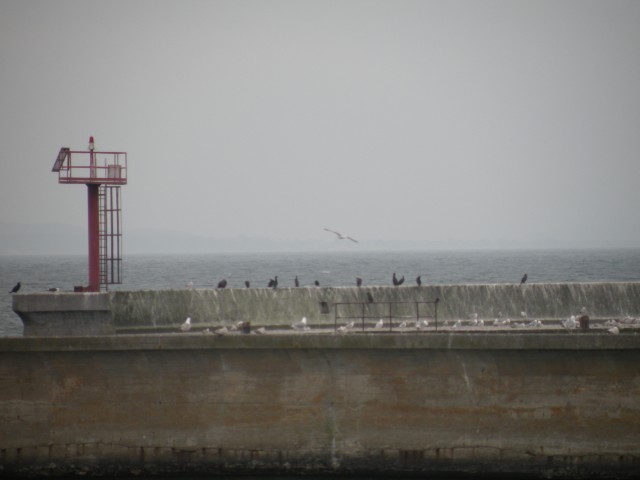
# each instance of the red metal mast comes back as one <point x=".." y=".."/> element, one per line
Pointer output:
<point x="113" y="171"/>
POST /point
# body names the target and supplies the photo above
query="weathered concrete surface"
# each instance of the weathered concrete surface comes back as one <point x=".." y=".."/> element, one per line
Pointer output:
<point x="64" y="314"/>
<point x="143" y="310"/>
<point x="546" y="405"/>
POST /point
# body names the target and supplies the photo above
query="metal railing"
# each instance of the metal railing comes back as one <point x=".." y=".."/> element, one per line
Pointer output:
<point x="366" y="315"/>
<point x="91" y="167"/>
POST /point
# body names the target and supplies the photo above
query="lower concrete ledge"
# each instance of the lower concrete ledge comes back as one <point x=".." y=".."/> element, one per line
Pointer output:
<point x="446" y="405"/>
<point x="64" y="314"/>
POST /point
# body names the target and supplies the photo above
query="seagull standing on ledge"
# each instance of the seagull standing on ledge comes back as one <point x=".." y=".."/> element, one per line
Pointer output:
<point x="186" y="326"/>
<point x="341" y="236"/>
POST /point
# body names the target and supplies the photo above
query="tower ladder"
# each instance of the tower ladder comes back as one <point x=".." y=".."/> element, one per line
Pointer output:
<point x="110" y="218"/>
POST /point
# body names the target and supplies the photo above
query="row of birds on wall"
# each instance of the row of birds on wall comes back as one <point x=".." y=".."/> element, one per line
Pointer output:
<point x="274" y="282"/>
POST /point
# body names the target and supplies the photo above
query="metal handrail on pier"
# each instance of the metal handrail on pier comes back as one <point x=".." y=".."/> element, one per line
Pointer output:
<point x="389" y="315"/>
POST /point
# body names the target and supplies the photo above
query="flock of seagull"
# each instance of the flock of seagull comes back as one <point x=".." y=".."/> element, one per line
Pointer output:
<point x="570" y="323"/>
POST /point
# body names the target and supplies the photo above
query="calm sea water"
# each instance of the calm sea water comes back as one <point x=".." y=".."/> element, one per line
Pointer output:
<point x="39" y="273"/>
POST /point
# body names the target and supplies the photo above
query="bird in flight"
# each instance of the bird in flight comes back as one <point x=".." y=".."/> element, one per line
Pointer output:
<point x="341" y="236"/>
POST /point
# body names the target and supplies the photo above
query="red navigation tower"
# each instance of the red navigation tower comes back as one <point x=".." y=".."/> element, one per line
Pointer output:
<point x="103" y="173"/>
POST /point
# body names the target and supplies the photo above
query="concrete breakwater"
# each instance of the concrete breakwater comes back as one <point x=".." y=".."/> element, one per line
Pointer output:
<point x="157" y="310"/>
<point x="545" y="405"/>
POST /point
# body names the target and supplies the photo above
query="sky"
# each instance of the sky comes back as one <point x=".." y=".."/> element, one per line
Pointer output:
<point x="433" y="122"/>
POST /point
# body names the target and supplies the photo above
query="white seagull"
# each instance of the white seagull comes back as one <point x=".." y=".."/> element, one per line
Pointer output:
<point x="379" y="323"/>
<point x="301" y="325"/>
<point x="341" y="236"/>
<point x="186" y="326"/>
<point x="222" y="331"/>
<point x="570" y="323"/>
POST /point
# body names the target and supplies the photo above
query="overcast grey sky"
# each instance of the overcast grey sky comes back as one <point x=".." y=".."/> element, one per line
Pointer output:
<point x="513" y="121"/>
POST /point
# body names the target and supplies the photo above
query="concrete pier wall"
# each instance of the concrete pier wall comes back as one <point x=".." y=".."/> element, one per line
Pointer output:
<point x="549" y="405"/>
<point x="141" y="310"/>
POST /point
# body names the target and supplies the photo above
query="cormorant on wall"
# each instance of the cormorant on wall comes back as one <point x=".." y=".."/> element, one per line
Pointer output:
<point x="296" y="282"/>
<point x="273" y="283"/>
<point x="317" y="283"/>
<point x="222" y="283"/>
<point x="247" y="284"/>
<point x="419" y="280"/>
<point x="15" y="288"/>
<point x="524" y="279"/>
<point x="397" y="281"/>
<point x="358" y="282"/>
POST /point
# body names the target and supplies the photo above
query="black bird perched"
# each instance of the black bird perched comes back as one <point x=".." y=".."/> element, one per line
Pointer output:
<point x="273" y="283"/>
<point x="222" y="283"/>
<point x="317" y="283"/>
<point x="419" y="280"/>
<point x="524" y="279"/>
<point x="397" y="281"/>
<point x="15" y="288"/>
<point x="247" y="284"/>
<point x="358" y="282"/>
<point x="296" y="282"/>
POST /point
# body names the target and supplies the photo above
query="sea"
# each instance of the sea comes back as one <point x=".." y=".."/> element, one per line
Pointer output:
<point x="38" y="273"/>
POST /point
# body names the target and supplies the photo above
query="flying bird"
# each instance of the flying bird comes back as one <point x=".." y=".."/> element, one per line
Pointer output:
<point x="186" y="326"/>
<point x="341" y="236"/>
<point x="524" y="279"/>
<point x="15" y="288"/>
